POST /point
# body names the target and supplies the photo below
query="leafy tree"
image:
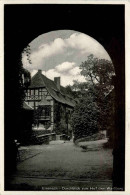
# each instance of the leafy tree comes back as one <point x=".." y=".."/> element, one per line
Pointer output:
<point x="85" y="118"/>
<point x="98" y="72"/>
<point x="78" y="89"/>
<point x="26" y="78"/>
<point x="27" y="52"/>
<point x="69" y="91"/>
<point x="92" y="97"/>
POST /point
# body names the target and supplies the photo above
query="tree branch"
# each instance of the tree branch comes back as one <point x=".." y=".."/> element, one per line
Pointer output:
<point x="91" y="78"/>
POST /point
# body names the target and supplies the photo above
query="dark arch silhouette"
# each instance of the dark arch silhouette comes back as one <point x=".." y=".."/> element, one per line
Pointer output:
<point x="105" y="23"/>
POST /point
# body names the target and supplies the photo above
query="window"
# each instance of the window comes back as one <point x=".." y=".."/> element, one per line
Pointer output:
<point x="47" y="111"/>
<point x="32" y="92"/>
<point x="36" y="91"/>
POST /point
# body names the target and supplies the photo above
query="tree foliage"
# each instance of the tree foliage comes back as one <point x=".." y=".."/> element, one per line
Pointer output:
<point x="98" y="72"/>
<point x="85" y="118"/>
<point x="94" y="108"/>
<point x="26" y="78"/>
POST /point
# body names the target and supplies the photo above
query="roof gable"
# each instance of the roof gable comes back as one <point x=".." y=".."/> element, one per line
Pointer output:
<point x="39" y="80"/>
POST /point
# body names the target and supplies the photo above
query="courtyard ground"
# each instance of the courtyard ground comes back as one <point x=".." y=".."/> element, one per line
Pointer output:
<point x="62" y="166"/>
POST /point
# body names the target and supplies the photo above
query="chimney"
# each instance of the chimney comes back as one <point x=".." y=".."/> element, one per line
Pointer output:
<point x="57" y="82"/>
<point x="40" y="71"/>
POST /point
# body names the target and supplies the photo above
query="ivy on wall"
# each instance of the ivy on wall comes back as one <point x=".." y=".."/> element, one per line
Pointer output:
<point x="61" y="119"/>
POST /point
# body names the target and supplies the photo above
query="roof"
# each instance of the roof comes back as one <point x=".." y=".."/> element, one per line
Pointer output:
<point x="26" y="106"/>
<point x="39" y="80"/>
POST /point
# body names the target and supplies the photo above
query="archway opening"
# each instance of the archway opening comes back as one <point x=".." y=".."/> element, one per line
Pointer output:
<point x="71" y="75"/>
<point x="111" y="38"/>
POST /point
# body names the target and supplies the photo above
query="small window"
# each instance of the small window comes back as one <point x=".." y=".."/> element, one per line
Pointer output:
<point x="39" y="93"/>
<point x="36" y="104"/>
<point x="36" y="91"/>
<point x="32" y="92"/>
<point x="28" y="92"/>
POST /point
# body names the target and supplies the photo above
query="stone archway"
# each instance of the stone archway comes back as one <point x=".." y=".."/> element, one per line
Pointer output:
<point x="106" y="27"/>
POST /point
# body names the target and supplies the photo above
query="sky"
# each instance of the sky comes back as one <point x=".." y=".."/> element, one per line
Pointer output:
<point x="59" y="53"/>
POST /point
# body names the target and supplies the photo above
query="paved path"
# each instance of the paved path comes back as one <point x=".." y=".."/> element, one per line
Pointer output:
<point x="64" y="166"/>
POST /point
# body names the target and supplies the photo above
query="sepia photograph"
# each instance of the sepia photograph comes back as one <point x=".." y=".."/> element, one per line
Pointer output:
<point x="64" y="97"/>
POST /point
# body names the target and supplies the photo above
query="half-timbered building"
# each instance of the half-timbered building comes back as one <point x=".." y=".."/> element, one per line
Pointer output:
<point x="52" y="106"/>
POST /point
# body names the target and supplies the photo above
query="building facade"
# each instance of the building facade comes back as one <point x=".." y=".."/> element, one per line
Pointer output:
<point x="52" y="106"/>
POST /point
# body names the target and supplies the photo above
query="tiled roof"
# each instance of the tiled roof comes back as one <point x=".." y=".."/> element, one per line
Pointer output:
<point x="39" y="80"/>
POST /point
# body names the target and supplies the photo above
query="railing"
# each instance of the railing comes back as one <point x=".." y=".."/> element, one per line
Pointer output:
<point x="33" y="97"/>
<point x="44" y="138"/>
<point x="44" y="118"/>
